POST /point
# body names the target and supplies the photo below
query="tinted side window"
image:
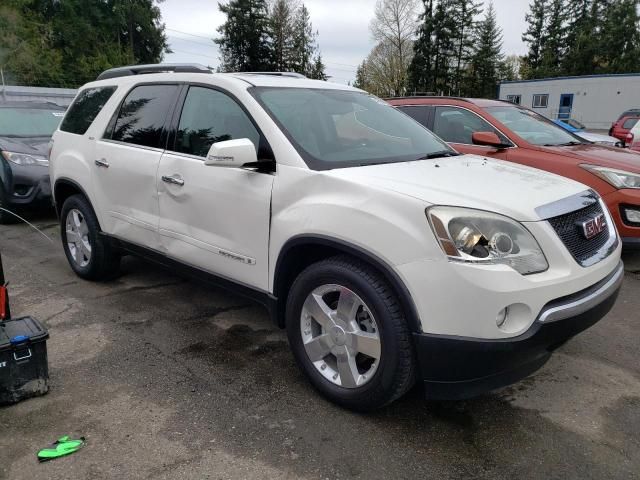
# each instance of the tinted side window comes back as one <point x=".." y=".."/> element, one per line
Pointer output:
<point x="457" y="125"/>
<point x="419" y="114"/>
<point x="629" y="124"/>
<point x="208" y="117"/>
<point x="143" y="114"/>
<point x="85" y="109"/>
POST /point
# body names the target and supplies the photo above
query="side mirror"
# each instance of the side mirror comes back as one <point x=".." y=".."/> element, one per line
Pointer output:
<point x="232" y="153"/>
<point x="489" y="139"/>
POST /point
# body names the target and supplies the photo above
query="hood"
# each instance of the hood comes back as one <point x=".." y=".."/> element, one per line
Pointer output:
<point x="33" y="145"/>
<point x="469" y="181"/>
<point x="614" y="157"/>
<point x="597" y="137"/>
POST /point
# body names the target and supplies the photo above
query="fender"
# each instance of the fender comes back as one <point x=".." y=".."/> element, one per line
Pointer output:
<point x="71" y="183"/>
<point x="408" y="305"/>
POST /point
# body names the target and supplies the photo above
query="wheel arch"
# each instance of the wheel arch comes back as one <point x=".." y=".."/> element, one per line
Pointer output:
<point x="63" y="189"/>
<point x="303" y="250"/>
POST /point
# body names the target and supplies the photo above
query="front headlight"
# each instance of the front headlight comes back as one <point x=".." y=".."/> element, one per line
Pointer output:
<point x="617" y="178"/>
<point x="25" y="159"/>
<point x="476" y="236"/>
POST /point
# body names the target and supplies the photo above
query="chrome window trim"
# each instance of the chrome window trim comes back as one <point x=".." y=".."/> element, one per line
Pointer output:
<point x="132" y="145"/>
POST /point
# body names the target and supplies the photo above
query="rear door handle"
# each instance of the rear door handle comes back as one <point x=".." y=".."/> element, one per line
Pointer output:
<point x="102" y="163"/>
<point x="174" y="179"/>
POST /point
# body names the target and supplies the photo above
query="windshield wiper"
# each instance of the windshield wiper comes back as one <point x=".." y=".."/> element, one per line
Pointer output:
<point x="568" y="144"/>
<point x="439" y="154"/>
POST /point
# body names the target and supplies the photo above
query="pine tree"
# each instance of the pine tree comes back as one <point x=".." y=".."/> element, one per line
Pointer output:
<point x="421" y="78"/>
<point x="464" y="13"/>
<point x="245" y="43"/>
<point x="304" y="42"/>
<point x="582" y="39"/>
<point x="361" y="81"/>
<point x="444" y="33"/>
<point x="554" y="40"/>
<point x="534" y="37"/>
<point x="487" y="60"/>
<point x="318" y="69"/>
<point x="282" y="25"/>
<point x="620" y="38"/>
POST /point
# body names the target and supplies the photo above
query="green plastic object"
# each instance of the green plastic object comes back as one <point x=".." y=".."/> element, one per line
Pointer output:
<point x="62" y="447"/>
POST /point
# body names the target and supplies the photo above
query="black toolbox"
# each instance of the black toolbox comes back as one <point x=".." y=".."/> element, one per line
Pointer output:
<point x="24" y="368"/>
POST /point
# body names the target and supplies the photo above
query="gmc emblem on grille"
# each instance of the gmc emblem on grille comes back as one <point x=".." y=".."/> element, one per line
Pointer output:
<point x="593" y="226"/>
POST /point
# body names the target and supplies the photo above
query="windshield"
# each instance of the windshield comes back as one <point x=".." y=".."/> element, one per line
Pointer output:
<point x="28" y="122"/>
<point x="532" y="127"/>
<point x="574" y="123"/>
<point x="338" y="128"/>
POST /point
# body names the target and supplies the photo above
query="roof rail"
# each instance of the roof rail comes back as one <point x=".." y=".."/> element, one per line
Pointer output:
<point x="153" y="68"/>
<point x="275" y="74"/>
<point x="418" y="97"/>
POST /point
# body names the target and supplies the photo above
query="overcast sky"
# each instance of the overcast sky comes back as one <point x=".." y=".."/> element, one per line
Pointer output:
<point x="343" y="27"/>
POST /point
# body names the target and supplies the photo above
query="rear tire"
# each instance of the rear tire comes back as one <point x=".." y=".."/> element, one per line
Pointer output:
<point x="356" y="306"/>
<point x="89" y="254"/>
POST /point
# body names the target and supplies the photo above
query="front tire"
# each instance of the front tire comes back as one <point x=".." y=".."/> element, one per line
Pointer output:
<point x="89" y="254"/>
<point x="348" y="334"/>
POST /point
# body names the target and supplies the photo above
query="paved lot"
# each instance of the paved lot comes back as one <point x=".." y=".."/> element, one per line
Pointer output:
<point x="168" y="379"/>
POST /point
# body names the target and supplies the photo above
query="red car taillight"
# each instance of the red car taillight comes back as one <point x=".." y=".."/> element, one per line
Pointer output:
<point x="629" y="139"/>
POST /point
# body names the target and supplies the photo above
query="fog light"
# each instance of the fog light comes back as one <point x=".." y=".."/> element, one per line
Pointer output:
<point x="502" y="317"/>
<point x="632" y="215"/>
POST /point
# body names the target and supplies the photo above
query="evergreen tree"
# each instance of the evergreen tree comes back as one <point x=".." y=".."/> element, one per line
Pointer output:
<point x="245" y="43"/>
<point x="582" y="37"/>
<point x="318" y="69"/>
<point x="282" y="24"/>
<point x="464" y="13"/>
<point x="444" y="33"/>
<point x="361" y="77"/>
<point x="304" y="41"/>
<point x="621" y="38"/>
<point x="487" y="60"/>
<point x="554" y="40"/>
<point x="534" y="37"/>
<point x="46" y="43"/>
<point x="421" y="78"/>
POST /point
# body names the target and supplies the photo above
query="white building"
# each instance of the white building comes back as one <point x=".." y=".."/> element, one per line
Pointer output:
<point x="595" y="100"/>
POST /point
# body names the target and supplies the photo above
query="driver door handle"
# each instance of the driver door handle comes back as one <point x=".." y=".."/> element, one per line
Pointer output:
<point x="174" y="179"/>
<point x="102" y="163"/>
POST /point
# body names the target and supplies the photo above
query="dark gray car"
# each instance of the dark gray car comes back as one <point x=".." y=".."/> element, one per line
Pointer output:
<point x="25" y="131"/>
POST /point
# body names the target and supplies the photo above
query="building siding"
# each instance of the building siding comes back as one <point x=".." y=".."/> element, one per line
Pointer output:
<point x="597" y="100"/>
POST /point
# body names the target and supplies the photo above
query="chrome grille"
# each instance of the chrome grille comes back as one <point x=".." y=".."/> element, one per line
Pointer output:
<point x="567" y="227"/>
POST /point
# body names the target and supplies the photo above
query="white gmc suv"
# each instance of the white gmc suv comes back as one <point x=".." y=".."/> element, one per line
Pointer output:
<point x="387" y="256"/>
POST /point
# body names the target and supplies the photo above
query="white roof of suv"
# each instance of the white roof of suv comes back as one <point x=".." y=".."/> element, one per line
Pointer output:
<point x="200" y="73"/>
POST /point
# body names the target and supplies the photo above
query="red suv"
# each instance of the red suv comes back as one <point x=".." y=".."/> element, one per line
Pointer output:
<point x="621" y="127"/>
<point x="509" y="132"/>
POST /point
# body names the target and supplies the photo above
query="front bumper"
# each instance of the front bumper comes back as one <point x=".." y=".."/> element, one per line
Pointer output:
<point x="28" y="185"/>
<point x="617" y="201"/>
<point x="454" y="367"/>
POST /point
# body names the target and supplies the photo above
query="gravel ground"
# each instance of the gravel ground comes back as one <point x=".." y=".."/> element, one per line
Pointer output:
<point x="169" y="379"/>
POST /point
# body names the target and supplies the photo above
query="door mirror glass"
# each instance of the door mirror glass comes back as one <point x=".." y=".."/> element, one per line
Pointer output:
<point x="489" y="139"/>
<point x="232" y="153"/>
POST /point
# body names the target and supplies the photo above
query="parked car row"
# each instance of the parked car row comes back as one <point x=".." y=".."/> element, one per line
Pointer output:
<point x="387" y="255"/>
<point x="25" y="131"/>
<point x="579" y="130"/>
<point x="510" y="132"/>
